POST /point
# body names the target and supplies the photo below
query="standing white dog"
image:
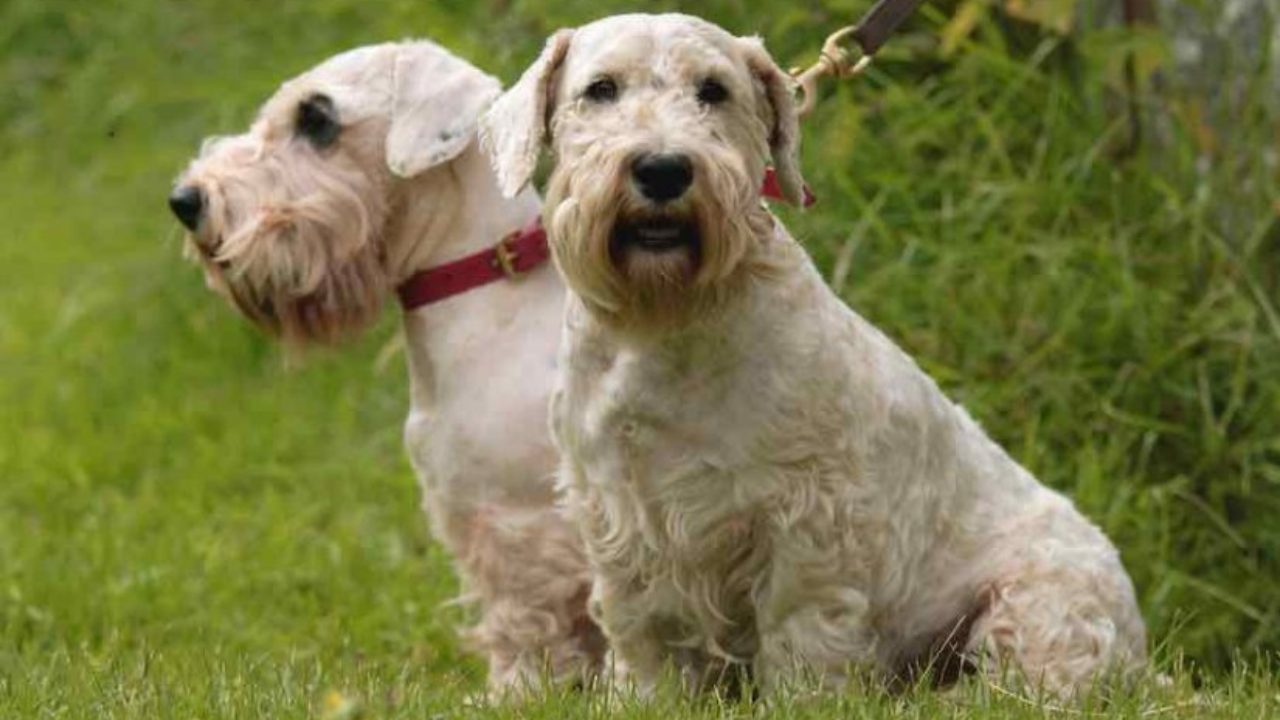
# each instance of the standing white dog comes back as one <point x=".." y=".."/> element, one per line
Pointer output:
<point x="362" y="176"/>
<point x="761" y="476"/>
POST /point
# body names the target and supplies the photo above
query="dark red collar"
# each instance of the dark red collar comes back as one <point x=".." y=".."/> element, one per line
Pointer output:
<point x="513" y="256"/>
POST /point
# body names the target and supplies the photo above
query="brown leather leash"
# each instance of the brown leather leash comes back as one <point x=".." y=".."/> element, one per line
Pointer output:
<point x="870" y="34"/>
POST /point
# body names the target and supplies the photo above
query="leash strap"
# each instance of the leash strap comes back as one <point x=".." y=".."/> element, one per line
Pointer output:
<point x="881" y="21"/>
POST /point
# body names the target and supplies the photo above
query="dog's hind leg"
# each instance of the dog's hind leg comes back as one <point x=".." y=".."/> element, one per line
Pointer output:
<point x="1059" y="618"/>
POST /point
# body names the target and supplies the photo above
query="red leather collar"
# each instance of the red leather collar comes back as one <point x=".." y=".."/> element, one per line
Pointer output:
<point x="513" y="256"/>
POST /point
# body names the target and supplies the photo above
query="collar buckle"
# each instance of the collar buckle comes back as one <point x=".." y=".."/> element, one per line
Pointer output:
<point x="505" y="256"/>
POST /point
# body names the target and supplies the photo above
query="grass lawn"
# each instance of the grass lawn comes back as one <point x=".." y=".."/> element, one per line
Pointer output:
<point x="191" y="529"/>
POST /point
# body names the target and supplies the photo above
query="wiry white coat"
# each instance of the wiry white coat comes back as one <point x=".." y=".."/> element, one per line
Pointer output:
<point x="309" y="242"/>
<point x="784" y="485"/>
<point x="760" y="475"/>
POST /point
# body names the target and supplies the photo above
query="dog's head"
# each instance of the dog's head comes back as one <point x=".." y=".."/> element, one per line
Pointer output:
<point x="661" y="127"/>
<point x="289" y="219"/>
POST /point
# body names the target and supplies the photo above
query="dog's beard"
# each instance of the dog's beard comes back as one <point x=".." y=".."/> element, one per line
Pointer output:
<point x="643" y="265"/>
<point x="658" y="255"/>
<point x="347" y="300"/>
<point x="295" y="249"/>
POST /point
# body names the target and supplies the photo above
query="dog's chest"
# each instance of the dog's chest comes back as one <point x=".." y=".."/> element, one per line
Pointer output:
<point x="669" y="488"/>
<point x="660" y="424"/>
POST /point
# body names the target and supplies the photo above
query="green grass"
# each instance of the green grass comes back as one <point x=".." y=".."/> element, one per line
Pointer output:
<point x="190" y="529"/>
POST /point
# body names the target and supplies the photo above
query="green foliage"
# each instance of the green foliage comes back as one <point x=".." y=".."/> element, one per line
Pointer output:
<point x="188" y="528"/>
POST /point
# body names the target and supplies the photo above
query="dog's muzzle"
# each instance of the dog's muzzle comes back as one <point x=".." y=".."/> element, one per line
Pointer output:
<point x="662" y="177"/>
<point x="187" y="204"/>
<point x="656" y="234"/>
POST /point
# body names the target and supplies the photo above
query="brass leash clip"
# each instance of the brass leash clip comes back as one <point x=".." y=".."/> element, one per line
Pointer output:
<point x="869" y="35"/>
<point x="836" y="61"/>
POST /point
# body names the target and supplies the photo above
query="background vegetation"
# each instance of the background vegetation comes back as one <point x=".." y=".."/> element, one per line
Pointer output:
<point x="189" y="529"/>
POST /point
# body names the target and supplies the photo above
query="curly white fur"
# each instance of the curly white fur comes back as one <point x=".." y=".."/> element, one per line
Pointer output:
<point x="761" y="476"/>
<point x="308" y="242"/>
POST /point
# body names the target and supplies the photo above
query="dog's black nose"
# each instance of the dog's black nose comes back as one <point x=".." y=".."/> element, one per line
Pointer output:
<point x="663" y="177"/>
<point x="187" y="203"/>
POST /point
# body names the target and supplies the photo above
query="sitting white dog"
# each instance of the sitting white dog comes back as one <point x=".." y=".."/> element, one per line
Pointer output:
<point x="362" y="177"/>
<point x="760" y="475"/>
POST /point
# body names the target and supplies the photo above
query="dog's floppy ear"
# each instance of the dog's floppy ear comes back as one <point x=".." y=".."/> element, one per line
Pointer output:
<point x="780" y="117"/>
<point x="436" y="101"/>
<point x="514" y="129"/>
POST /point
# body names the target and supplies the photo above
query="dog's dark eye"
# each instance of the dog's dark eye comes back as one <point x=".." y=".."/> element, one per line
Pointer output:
<point x="711" y="92"/>
<point x="318" y="120"/>
<point x="601" y="90"/>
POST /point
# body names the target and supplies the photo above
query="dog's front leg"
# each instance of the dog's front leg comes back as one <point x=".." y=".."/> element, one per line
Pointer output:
<point x="814" y="644"/>
<point x="636" y="650"/>
<point x="812" y="619"/>
<point x="526" y="569"/>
